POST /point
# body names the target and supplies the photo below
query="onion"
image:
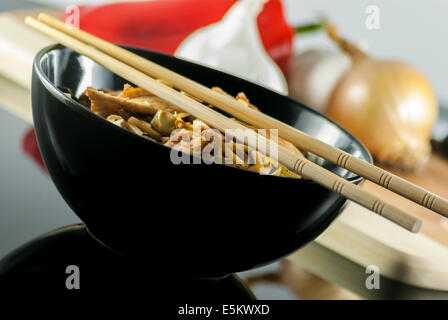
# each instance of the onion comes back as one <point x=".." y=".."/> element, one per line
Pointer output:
<point x="389" y="105"/>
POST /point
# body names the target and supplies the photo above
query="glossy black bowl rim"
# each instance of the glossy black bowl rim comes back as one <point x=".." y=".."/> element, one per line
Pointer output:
<point x="78" y="108"/>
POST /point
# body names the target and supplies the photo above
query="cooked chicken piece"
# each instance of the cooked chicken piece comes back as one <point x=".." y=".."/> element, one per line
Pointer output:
<point x="129" y="101"/>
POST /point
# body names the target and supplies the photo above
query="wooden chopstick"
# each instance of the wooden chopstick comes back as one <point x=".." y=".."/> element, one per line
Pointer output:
<point x="215" y="119"/>
<point x="260" y="120"/>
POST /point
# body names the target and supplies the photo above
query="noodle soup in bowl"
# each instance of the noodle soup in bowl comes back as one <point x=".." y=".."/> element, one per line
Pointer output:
<point x="212" y="219"/>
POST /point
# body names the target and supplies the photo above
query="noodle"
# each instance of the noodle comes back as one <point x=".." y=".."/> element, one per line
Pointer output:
<point x="149" y="116"/>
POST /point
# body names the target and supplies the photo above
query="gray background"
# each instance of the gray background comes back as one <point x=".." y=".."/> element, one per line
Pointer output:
<point x="413" y="31"/>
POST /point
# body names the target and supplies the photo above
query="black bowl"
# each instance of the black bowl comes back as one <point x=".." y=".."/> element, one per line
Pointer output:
<point x="209" y="219"/>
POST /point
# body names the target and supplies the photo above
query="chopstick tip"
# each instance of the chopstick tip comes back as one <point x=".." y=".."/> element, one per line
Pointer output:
<point x="29" y="20"/>
<point x="42" y="16"/>
<point x="417" y="226"/>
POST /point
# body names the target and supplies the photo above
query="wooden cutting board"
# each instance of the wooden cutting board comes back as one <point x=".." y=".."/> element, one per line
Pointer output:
<point x="357" y="234"/>
<point x="367" y="239"/>
<point x="417" y="259"/>
<point x="19" y="44"/>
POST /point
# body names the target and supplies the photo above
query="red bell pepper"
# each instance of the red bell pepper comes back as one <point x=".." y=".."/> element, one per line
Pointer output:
<point x="31" y="149"/>
<point x="161" y="25"/>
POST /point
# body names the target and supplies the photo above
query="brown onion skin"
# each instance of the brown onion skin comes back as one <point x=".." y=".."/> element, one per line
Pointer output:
<point x="390" y="106"/>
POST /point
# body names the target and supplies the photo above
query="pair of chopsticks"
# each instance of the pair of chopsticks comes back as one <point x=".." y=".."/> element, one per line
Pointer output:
<point x="142" y="72"/>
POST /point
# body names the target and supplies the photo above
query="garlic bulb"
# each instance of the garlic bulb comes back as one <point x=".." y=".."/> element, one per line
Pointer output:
<point x="389" y="105"/>
<point x="314" y="75"/>
<point x="234" y="45"/>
